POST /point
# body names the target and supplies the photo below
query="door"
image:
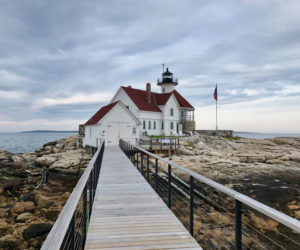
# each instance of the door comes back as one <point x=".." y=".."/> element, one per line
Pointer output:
<point x="117" y="131"/>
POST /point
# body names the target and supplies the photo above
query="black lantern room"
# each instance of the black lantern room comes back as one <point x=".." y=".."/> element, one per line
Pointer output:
<point x="167" y="78"/>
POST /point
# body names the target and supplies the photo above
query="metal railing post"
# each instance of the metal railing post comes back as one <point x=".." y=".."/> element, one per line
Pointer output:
<point x="84" y="216"/>
<point x="238" y="225"/>
<point x="147" y="167"/>
<point x="72" y="232"/>
<point x="191" y="205"/>
<point x="142" y="162"/>
<point x="156" y="173"/>
<point x="169" y="185"/>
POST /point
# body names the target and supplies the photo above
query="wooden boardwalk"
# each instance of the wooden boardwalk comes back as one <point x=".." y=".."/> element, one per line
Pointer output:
<point x="128" y="214"/>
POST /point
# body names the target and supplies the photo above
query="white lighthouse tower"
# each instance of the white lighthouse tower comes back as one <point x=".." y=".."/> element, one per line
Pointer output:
<point x="167" y="83"/>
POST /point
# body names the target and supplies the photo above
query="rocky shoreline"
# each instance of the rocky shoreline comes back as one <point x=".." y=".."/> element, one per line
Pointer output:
<point x="33" y="189"/>
<point x="267" y="170"/>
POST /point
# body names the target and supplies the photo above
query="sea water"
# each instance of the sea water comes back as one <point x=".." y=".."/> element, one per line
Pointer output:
<point x="27" y="142"/>
<point x="264" y="135"/>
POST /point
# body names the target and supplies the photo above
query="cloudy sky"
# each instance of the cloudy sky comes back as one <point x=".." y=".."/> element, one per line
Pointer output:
<point x="61" y="60"/>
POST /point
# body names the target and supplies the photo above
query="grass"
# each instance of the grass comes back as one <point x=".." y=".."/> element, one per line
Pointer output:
<point x="7" y="178"/>
<point x="232" y="138"/>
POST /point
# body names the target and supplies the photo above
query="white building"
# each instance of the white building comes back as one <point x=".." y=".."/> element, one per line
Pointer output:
<point x="133" y="113"/>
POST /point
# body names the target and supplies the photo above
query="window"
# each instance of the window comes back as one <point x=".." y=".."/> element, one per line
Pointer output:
<point x="162" y="125"/>
<point x="163" y="90"/>
<point x="90" y="132"/>
<point x="154" y="125"/>
<point x="127" y="107"/>
<point x="149" y="125"/>
<point x="172" y="125"/>
<point x="144" y="124"/>
<point x="171" y="112"/>
<point x="134" y="131"/>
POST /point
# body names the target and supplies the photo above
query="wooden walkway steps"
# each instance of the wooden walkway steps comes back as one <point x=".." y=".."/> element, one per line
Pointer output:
<point x="128" y="214"/>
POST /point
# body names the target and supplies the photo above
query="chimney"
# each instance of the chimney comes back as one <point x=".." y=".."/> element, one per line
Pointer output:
<point x="148" y="94"/>
<point x="129" y="86"/>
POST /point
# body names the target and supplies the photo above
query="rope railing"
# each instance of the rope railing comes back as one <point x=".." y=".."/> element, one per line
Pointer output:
<point x="200" y="195"/>
<point x="70" y="228"/>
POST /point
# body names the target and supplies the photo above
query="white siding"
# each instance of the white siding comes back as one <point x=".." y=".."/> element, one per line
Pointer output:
<point x="122" y="122"/>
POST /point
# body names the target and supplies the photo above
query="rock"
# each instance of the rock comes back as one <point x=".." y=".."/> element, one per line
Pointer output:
<point x="297" y="214"/>
<point x="24" y="217"/>
<point x="23" y="206"/>
<point x="35" y="230"/>
<point x="295" y="157"/>
<point x="263" y="224"/>
<point x="52" y="214"/>
<point x="42" y="201"/>
<point x="51" y="143"/>
<point x="64" y="197"/>
<point x="45" y="160"/>
<point x="8" y="242"/>
<point x="1" y="190"/>
<point x="17" y="158"/>
<point x="184" y="151"/>
<point x="5" y="156"/>
<point x="29" y="156"/>
<point x="3" y="227"/>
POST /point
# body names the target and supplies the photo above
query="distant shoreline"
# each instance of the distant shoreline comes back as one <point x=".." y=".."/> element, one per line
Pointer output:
<point x="50" y="131"/>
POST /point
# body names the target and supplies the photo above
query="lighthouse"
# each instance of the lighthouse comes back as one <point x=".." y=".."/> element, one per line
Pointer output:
<point x="168" y="82"/>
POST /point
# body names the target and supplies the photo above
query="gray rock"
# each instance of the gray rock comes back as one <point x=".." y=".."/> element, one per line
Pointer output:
<point x="35" y="230"/>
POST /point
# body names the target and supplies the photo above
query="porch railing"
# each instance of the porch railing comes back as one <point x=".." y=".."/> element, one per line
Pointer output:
<point x="217" y="216"/>
<point x="70" y="228"/>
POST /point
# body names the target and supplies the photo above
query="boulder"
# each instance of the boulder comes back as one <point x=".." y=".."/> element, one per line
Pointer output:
<point x="52" y="214"/>
<point x="8" y="242"/>
<point x="45" y="160"/>
<point x="42" y="201"/>
<point x="35" y="230"/>
<point x="184" y="151"/>
<point x="24" y="217"/>
<point x="23" y="206"/>
<point x="5" y="156"/>
<point x="3" y="227"/>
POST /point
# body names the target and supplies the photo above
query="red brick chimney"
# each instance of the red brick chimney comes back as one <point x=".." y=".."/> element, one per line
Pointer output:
<point x="148" y="94"/>
<point x="129" y="86"/>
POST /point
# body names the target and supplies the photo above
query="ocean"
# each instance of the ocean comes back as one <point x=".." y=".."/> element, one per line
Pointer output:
<point x="27" y="142"/>
<point x="264" y="135"/>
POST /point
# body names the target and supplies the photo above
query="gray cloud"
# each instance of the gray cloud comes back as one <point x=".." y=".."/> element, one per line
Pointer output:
<point x="58" y="49"/>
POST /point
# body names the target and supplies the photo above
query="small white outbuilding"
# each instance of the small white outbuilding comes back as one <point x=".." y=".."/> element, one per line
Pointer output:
<point x="110" y="123"/>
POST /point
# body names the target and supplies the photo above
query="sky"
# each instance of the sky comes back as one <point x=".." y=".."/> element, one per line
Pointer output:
<point x="61" y="60"/>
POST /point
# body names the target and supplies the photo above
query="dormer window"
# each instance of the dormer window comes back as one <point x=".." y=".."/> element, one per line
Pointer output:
<point x="171" y="112"/>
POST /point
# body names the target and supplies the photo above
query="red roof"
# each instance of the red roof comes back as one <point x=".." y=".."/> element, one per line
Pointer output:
<point x="181" y="101"/>
<point x="139" y="98"/>
<point x="100" y="114"/>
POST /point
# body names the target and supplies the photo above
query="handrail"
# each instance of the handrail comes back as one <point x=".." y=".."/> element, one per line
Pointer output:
<point x="56" y="236"/>
<point x="262" y="208"/>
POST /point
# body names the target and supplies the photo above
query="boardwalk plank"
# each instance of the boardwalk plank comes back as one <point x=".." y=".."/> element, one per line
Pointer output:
<point x="128" y="214"/>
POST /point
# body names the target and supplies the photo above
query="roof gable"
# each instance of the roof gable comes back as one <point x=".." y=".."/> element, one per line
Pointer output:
<point x="100" y="114"/>
<point x="183" y="103"/>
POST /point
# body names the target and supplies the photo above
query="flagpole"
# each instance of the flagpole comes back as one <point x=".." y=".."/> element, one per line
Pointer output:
<point x="217" y="113"/>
